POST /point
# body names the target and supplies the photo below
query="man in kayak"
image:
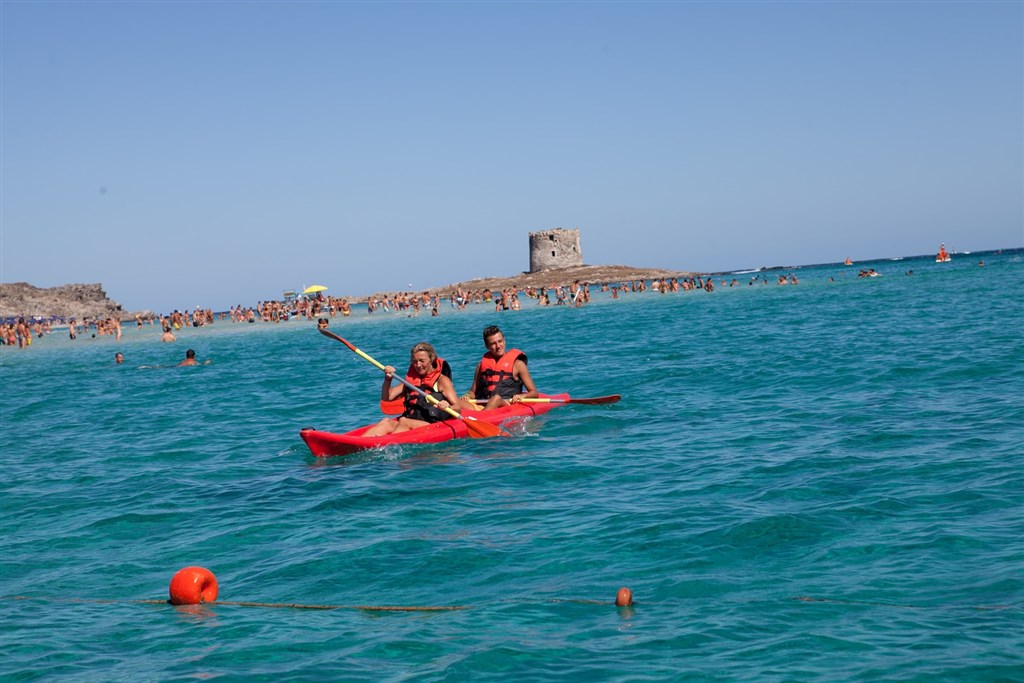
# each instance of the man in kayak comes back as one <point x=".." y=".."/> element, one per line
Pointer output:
<point x="501" y="377"/>
<point x="427" y="372"/>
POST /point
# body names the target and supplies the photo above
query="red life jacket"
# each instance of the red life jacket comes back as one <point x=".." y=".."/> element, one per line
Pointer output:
<point x="416" y="406"/>
<point x="496" y="375"/>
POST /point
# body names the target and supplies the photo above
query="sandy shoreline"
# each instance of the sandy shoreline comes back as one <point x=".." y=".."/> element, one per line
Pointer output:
<point x="478" y="291"/>
<point x="82" y="302"/>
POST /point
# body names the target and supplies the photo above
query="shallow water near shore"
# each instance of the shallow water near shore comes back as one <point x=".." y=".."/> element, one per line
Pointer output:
<point x="816" y="482"/>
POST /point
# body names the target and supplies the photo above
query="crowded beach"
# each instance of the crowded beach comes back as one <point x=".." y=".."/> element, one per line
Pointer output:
<point x="503" y="294"/>
<point x="322" y="307"/>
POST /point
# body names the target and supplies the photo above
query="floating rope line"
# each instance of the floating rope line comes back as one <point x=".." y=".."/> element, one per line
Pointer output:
<point x="233" y="603"/>
<point x="295" y="605"/>
<point x="198" y="586"/>
<point x="365" y="608"/>
<point x="456" y="608"/>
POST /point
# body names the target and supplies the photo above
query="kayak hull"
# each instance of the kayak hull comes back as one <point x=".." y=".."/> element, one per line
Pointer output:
<point x="329" y="444"/>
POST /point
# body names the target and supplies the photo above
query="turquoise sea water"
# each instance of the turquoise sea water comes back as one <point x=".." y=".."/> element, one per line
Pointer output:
<point x="817" y="482"/>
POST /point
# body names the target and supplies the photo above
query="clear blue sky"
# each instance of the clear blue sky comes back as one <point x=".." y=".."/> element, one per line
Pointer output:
<point x="205" y="153"/>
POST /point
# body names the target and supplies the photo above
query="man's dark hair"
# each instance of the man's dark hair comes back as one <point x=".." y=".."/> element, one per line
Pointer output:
<point x="190" y="354"/>
<point x="490" y="331"/>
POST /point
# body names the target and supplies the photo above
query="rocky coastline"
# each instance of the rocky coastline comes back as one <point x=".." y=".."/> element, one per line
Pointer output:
<point x="78" y="301"/>
<point x="90" y="301"/>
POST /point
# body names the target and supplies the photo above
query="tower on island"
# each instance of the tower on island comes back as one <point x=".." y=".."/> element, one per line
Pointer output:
<point x="555" y="248"/>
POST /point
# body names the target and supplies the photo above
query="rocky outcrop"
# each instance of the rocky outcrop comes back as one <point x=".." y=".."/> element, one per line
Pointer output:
<point x="66" y="301"/>
<point x="594" y="275"/>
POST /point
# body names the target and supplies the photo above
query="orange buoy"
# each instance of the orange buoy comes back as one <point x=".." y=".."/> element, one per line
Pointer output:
<point x="624" y="597"/>
<point x="193" y="586"/>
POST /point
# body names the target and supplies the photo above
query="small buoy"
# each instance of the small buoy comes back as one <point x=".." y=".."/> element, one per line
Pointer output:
<point x="193" y="586"/>
<point x="624" y="598"/>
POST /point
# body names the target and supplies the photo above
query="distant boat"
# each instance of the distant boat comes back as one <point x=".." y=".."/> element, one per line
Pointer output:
<point x="943" y="255"/>
<point x="848" y="262"/>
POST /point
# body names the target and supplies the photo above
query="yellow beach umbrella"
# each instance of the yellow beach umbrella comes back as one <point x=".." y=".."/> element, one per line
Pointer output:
<point x="313" y="289"/>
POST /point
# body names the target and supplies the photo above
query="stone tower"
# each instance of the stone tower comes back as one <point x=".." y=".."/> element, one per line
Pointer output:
<point x="555" y="248"/>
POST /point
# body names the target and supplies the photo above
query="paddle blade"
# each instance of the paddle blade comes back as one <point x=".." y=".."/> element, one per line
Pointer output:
<point x="599" y="400"/>
<point x="479" y="429"/>
<point x="327" y="333"/>
<point x="395" y="407"/>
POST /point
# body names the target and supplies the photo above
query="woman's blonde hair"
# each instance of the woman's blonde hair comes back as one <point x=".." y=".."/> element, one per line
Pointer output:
<point x="423" y="346"/>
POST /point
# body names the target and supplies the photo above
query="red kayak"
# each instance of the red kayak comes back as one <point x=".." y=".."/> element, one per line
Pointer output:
<point x="325" y="444"/>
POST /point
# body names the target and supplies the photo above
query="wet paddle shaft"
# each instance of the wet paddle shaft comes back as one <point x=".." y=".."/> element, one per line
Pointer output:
<point x="598" y="400"/>
<point x="477" y="428"/>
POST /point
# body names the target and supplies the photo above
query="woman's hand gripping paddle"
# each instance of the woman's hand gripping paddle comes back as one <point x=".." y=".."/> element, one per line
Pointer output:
<point x="477" y="428"/>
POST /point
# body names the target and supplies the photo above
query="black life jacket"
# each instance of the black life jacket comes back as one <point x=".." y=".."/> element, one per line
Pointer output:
<point x="416" y="406"/>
